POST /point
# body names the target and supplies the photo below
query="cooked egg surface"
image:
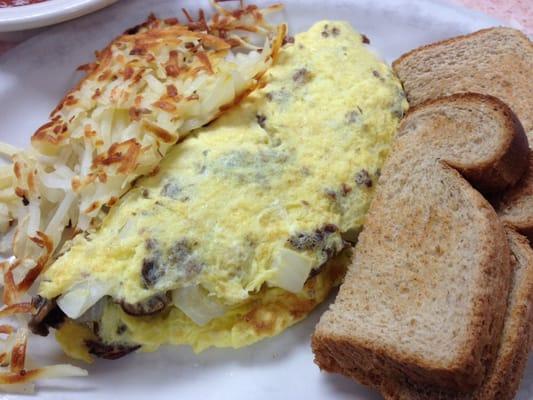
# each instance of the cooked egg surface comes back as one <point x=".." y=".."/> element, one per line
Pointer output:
<point x="263" y="315"/>
<point x="277" y="181"/>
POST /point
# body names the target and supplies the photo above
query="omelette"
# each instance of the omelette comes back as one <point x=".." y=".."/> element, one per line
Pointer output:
<point x="247" y="224"/>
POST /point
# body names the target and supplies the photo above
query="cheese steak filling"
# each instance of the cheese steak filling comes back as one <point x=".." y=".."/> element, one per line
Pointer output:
<point x="244" y="229"/>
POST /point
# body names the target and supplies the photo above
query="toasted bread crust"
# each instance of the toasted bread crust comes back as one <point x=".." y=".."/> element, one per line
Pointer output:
<point x="375" y="360"/>
<point x="515" y="207"/>
<point x="455" y="39"/>
<point x="496" y="61"/>
<point x="504" y="68"/>
<point x="503" y="378"/>
<point x="478" y="349"/>
<point x="507" y="166"/>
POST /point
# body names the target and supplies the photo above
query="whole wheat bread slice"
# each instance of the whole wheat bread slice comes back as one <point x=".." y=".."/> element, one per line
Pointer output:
<point x="496" y="61"/>
<point x="503" y="378"/>
<point x="425" y="296"/>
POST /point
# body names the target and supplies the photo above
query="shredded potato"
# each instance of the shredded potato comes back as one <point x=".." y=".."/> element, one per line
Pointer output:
<point x="14" y="377"/>
<point x="145" y="91"/>
<point x="8" y="150"/>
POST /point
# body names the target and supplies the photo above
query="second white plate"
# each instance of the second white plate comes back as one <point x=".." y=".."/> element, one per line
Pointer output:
<point x="46" y="13"/>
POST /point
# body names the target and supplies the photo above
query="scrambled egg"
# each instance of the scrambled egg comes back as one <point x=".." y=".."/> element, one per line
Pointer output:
<point x="283" y="179"/>
<point x="265" y="314"/>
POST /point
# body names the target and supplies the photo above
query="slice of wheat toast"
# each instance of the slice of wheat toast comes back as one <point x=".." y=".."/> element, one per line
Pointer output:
<point x="503" y="378"/>
<point x="495" y="61"/>
<point x="425" y="296"/>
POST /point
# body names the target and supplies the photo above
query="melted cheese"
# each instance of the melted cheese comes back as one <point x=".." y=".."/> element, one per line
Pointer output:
<point x="293" y="166"/>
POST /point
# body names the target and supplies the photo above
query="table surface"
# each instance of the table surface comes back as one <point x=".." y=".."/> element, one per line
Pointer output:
<point x="517" y="13"/>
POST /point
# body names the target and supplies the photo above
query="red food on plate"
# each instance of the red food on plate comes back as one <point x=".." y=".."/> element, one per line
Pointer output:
<point x="15" y="3"/>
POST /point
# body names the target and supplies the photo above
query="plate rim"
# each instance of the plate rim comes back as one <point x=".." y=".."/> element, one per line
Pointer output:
<point x="47" y="13"/>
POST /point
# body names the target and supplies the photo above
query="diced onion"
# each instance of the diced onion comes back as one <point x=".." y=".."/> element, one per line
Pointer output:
<point x="94" y="313"/>
<point x="82" y="297"/>
<point x="196" y="304"/>
<point x="291" y="270"/>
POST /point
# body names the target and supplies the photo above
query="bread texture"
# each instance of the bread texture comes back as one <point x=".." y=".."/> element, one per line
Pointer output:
<point x="504" y="375"/>
<point x="425" y="296"/>
<point x="515" y="207"/>
<point x="495" y="61"/>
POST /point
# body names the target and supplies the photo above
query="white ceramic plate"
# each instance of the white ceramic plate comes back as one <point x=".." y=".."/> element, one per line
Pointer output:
<point x="46" y="13"/>
<point x="35" y="75"/>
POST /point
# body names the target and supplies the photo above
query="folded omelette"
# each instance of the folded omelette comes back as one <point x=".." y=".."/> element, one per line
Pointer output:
<point x="246" y="225"/>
